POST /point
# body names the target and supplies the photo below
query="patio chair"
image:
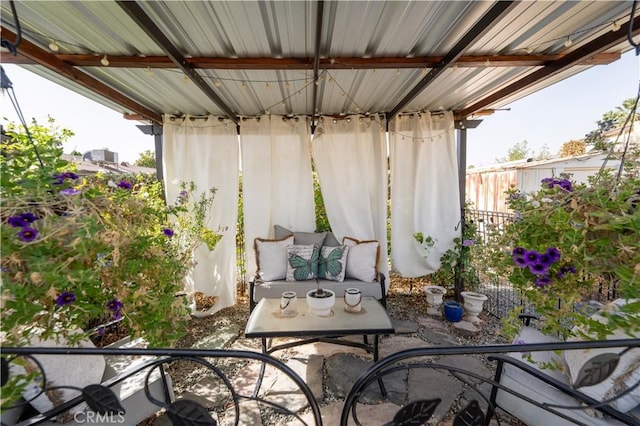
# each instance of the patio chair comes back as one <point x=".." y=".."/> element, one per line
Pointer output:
<point x="601" y="386"/>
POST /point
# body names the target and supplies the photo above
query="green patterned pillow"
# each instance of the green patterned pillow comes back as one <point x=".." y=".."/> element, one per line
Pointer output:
<point x="332" y="264"/>
<point x="302" y="262"/>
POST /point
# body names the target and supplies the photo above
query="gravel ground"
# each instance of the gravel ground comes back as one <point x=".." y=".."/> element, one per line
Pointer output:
<point x="406" y="301"/>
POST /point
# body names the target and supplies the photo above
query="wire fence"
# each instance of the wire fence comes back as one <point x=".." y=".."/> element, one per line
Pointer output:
<point x="502" y="296"/>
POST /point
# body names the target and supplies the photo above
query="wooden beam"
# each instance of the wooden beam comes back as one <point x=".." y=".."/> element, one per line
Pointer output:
<point x="581" y="55"/>
<point x="41" y="57"/>
<point x="468" y="61"/>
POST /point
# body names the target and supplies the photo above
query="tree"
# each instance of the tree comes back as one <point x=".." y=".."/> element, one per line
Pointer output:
<point x="543" y="154"/>
<point x="76" y="153"/>
<point x="519" y="151"/>
<point x="610" y="120"/>
<point x="571" y="148"/>
<point x="146" y="159"/>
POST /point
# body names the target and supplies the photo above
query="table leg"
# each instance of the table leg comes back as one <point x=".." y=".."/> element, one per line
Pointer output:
<point x="376" y="340"/>
<point x="262" y="368"/>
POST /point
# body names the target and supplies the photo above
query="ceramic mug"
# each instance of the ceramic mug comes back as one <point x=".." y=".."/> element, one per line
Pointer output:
<point x="353" y="300"/>
<point x="289" y="304"/>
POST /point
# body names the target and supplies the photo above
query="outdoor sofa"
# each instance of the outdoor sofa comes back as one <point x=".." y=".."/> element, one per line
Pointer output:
<point x="350" y="264"/>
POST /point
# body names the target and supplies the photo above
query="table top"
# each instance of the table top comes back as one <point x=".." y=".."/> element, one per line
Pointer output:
<point x="266" y="320"/>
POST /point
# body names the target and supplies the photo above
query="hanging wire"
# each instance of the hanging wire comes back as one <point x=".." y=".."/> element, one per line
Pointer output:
<point x="630" y="29"/>
<point x="12" y="47"/>
<point x="8" y="86"/>
<point x="631" y="118"/>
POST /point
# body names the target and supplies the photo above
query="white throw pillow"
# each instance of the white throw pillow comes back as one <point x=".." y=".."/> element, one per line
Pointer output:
<point x="332" y="264"/>
<point x="302" y="262"/>
<point x="62" y="370"/>
<point x="362" y="259"/>
<point x="271" y="257"/>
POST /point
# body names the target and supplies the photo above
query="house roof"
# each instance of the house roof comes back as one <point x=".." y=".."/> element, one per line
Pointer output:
<point x="248" y="58"/>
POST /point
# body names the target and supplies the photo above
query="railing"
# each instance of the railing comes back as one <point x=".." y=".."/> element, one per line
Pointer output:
<point x="419" y="396"/>
<point x="106" y="407"/>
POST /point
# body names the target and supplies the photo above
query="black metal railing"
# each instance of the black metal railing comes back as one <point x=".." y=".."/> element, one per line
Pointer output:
<point x="492" y="396"/>
<point x="105" y="405"/>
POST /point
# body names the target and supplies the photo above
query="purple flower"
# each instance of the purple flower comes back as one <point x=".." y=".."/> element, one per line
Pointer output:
<point x="117" y="315"/>
<point x="124" y="184"/>
<point x="546" y="260"/>
<point x="538" y="268"/>
<point x="521" y="342"/>
<point x="565" y="270"/>
<point x="69" y="191"/>
<point x="22" y="220"/>
<point x="520" y="261"/>
<point x="468" y="243"/>
<point x="553" y="253"/>
<point x="60" y="178"/>
<point x="114" y="305"/>
<point x="519" y="251"/>
<point x="532" y="257"/>
<point x="28" y="234"/>
<point x="65" y="298"/>
<point x="183" y="193"/>
<point x="549" y="182"/>
<point x="566" y="185"/>
<point x="167" y="232"/>
<point x="543" y="281"/>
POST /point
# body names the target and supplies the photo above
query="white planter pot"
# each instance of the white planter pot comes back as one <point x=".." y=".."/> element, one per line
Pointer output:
<point x="322" y="305"/>
<point x="473" y="304"/>
<point x="435" y="295"/>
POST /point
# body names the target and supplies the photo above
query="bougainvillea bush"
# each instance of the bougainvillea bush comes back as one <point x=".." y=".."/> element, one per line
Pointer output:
<point x="80" y="249"/>
<point x="569" y="245"/>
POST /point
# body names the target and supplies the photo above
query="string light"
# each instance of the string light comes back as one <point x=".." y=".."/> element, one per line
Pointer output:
<point x="243" y="85"/>
<point x="216" y="83"/>
<point x="568" y="42"/>
<point x="54" y="46"/>
<point x="615" y="26"/>
<point x="529" y="50"/>
<point x="104" y="61"/>
<point x="149" y="71"/>
<point x="185" y="78"/>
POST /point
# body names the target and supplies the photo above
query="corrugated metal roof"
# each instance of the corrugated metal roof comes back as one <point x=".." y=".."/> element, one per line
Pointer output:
<point x="287" y="30"/>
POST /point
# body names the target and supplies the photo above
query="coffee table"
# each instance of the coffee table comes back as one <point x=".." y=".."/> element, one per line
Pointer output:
<point x="265" y="322"/>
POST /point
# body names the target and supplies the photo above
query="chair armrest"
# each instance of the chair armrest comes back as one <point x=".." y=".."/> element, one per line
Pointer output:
<point x="383" y="290"/>
<point x="563" y="387"/>
<point x="252" y="290"/>
<point x="526" y="318"/>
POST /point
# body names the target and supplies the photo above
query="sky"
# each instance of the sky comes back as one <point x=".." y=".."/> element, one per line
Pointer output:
<point x="552" y="116"/>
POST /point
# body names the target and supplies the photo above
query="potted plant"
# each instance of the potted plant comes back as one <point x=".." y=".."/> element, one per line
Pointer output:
<point x="76" y="249"/>
<point x="321" y="300"/>
<point x="569" y="244"/>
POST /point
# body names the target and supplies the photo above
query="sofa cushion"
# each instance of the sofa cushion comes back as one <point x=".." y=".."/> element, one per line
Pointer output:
<point x="331" y="240"/>
<point x="362" y="259"/>
<point x="302" y="262"/>
<point x="300" y="238"/>
<point x="332" y="264"/>
<point x="274" y="289"/>
<point x="271" y="257"/>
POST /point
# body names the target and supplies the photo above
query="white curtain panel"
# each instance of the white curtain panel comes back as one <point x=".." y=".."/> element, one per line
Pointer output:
<point x="350" y="157"/>
<point x="424" y="191"/>
<point x="205" y="151"/>
<point x="277" y="182"/>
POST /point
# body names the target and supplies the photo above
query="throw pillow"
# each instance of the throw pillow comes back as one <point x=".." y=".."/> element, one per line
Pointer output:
<point x="331" y="240"/>
<point x="332" y="264"/>
<point x="362" y="259"/>
<point x="302" y="262"/>
<point x="271" y="258"/>
<point x="300" y="238"/>
<point x="77" y="371"/>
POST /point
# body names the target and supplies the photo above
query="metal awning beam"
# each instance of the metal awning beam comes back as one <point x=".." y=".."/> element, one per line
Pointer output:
<point x="147" y="24"/>
<point x="478" y="30"/>
<point x="580" y="55"/>
<point x="316" y="62"/>
<point x="164" y="62"/>
<point x="40" y="56"/>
